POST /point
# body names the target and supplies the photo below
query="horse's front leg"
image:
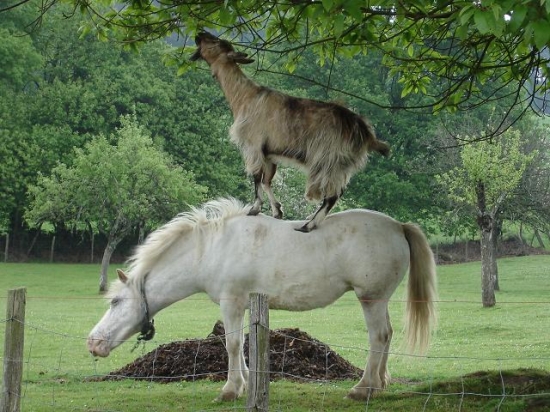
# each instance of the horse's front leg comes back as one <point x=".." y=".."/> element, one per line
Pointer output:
<point x="233" y="310"/>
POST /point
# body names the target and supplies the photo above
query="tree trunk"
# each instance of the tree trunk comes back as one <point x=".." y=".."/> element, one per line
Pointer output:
<point x="497" y="230"/>
<point x="34" y="240"/>
<point x="52" y="249"/>
<point x="7" y="247"/>
<point x="539" y="239"/>
<point x="485" y="222"/>
<point x="488" y="268"/>
<point x="92" y="238"/>
<point x="141" y="235"/>
<point x="521" y="240"/>
<point x="107" y="253"/>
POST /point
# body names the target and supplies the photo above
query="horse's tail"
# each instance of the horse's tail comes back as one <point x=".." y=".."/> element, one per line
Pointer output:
<point x="421" y="314"/>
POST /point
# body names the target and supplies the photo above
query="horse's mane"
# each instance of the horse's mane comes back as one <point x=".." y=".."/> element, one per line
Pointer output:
<point x="211" y="216"/>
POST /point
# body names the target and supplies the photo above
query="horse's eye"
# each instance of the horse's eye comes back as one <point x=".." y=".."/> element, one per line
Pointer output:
<point x="115" y="301"/>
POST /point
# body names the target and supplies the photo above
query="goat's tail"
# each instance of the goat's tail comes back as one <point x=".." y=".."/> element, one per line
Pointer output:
<point x="421" y="290"/>
<point x="379" y="146"/>
<point x="373" y="144"/>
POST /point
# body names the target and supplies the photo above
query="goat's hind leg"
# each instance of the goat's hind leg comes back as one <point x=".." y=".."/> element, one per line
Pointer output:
<point x="269" y="172"/>
<point x="258" y="201"/>
<point x="320" y="214"/>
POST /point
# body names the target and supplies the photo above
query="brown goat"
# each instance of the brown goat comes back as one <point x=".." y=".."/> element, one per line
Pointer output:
<point x="328" y="140"/>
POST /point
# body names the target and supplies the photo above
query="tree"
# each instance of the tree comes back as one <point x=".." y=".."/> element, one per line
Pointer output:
<point x="531" y="206"/>
<point x="80" y="89"/>
<point x="458" y="46"/>
<point x="116" y="184"/>
<point x="489" y="173"/>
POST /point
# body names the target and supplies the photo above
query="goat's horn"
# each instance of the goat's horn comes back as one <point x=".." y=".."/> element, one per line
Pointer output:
<point x="239" y="57"/>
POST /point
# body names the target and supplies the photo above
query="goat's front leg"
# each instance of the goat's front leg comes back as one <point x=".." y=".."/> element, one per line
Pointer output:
<point x="258" y="201"/>
<point x="320" y="214"/>
<point x="269" y="172"/>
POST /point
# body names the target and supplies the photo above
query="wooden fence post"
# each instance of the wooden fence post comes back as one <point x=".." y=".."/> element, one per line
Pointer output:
<point x="13" y="350"/>
<point x="258" y="358"/>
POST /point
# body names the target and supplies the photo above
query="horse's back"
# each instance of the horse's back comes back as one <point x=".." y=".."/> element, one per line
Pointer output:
<point x="356" y="250"/>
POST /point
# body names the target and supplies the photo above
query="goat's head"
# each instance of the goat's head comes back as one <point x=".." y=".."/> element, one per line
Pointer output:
<point x="210" y="48"/>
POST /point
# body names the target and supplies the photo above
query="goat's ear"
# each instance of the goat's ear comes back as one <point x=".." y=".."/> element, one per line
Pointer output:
<point x="239" y="57"/>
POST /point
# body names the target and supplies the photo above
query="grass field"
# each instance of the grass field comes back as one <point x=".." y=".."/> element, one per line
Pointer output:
<point x="63" y="305"/>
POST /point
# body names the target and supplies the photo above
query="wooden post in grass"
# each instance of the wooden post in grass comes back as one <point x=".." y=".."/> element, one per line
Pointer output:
<point x="13" y="350"/>
<point x="258" y="357"/>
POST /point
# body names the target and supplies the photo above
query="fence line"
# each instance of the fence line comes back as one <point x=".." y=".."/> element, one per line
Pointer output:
<point x="37" y="329"/>
<point x="354" y="301"/>
<point x="330" y="344"/>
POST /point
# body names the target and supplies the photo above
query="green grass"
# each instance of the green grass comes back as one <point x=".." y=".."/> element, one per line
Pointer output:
<point x="63" y="305"/>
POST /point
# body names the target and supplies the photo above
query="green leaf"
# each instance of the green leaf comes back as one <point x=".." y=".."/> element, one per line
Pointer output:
<point x="353" y="8"/>
<point x="226" y="16"/>
<point x="518" y="17"/>
<point x="462" y="31"/>
<point x="327" y="4"/>
<point x="541" y="31"/>
<point x="466" y="14"/>
<point x="338" y="23"/>
<point x="481" y="20"/>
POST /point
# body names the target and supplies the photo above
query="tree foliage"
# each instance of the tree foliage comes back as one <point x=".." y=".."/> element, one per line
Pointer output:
<point x="446" y="50"/>
<point x="71" y="88"/>
<point x="121" y="180"/>
<point x="499" y="165"/>
<point x="115" y="185"/>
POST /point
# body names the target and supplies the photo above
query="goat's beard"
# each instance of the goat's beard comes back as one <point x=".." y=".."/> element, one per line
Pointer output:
<point x="196" y="56"/>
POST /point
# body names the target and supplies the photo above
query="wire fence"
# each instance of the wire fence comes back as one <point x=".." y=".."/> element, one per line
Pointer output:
<point x="503" y="370"/>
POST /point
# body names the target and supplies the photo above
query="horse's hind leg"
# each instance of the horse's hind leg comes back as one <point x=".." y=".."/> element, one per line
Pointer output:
<point x="233" y="310"/>
<point x="375" y="377"/>
<point x="269" y="172"/>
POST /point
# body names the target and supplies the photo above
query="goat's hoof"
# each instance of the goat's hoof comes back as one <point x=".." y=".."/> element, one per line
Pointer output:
<point x="304" y="229"/>
<point x="254" y="212"/>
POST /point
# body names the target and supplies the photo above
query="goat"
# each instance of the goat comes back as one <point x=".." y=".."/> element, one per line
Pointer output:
<point x="326" y="139"/>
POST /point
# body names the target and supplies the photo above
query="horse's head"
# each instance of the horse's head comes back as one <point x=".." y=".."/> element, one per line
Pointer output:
<point x="127" y="315"/>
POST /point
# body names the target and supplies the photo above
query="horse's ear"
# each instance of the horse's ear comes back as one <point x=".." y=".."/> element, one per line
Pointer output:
<point x="122" y="276"/>
<point x="239" y="57"/>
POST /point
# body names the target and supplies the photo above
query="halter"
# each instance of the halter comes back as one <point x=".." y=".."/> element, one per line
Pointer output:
<point x="147" y="324"/>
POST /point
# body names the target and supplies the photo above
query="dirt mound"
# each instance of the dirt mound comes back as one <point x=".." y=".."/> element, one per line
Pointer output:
<point x="293" y="355"/>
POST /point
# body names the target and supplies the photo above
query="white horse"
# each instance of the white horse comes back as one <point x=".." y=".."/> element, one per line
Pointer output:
<point x="221" y="251"/>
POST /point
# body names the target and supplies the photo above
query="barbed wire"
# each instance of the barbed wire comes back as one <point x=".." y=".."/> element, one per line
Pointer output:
<point x="279" y="403"/>
<point x="354" y="300"/>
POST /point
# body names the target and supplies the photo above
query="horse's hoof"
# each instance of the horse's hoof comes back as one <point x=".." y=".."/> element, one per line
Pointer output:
<point x="362" y="393"/>
<point x="253" y="212"/>
<point x="356" y="395"/>
<point x="226" y="396"/>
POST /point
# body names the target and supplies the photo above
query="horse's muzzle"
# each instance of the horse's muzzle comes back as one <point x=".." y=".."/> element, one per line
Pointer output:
<point x="98" y="347"/>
